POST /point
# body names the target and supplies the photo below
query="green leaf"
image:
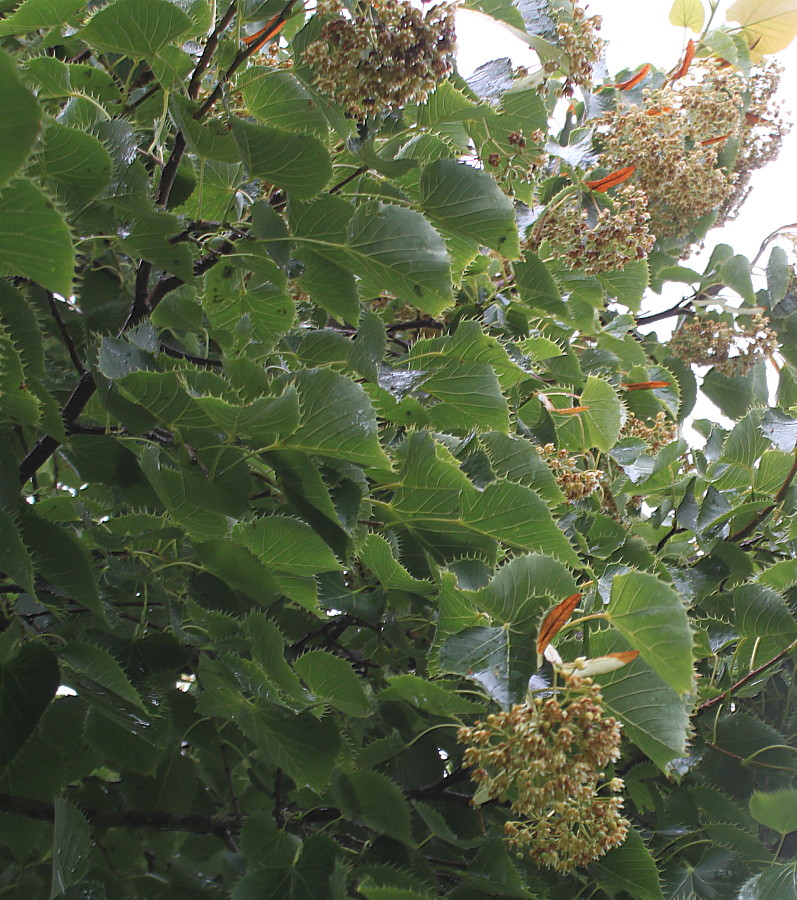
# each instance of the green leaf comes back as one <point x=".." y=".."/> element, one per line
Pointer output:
<point x="377" y="555"/>
<point x="653" y="619"/>
<point x="497" y="660"/>
<point x="150" y="240"/>
<point x="735" y="272"/>
<point x="373" y="800"/>
<point x="333" y="681"/>
<point x="268" y="648"/>
<point x="20" y="118"/>
<point x="517" y="460"/>
<point x="435" y="697"/>
<point x="163" y="395"/>
<point x="75" y="165"/>
<point x="774" y="883"/>
<point x="286" y="545"/>
<point x="263" y="420"/>
<point x="299" y="163"/>
<point x="35" y="14"/>
<point x="688" y="14"/>
<point x="135" y="28"/>
<point x="34" y="239"/>
<point x="99" y="666"/>
<point x="517" y="516"/>
<point x="382" y="892"/>
<point x="599" y="425"/>
<point x="630" y="868"/>
<point x="336" y="419"/>
<point x="627" y="285"/>
<point x="761" y="612"/>
<point x="182" y="490"/>
<point x="62" y="560"/>
<point x="538" y="288"/>
<point x="15" y="560"/>
<point x="468" y="202"/>
<point x="775" y="809"/>
<point x="277" y="98"/>
<point x="28" y="682"/>
<point x="397" y="250"/>
<point x="778" y="274"/>
<point x="306" y="747"/>
<point x="654" y="717"/>
<point x="71" y="847"/>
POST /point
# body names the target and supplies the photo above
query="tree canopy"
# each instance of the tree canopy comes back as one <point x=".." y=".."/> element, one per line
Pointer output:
<point x="350" y="546"/>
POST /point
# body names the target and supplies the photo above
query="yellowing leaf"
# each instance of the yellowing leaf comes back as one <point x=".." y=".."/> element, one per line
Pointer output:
<point x="767" y="25"/>
<point x="688" y="14"/>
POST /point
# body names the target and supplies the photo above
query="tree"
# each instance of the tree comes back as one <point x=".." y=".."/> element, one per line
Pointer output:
<point x="355" y="514"/>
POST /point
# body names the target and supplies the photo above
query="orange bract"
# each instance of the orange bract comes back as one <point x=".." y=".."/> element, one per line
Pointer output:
<point x="646" y="385"/>
<point x="683" y="68"/>
<point x="556" y="618"/>
<point x="611" y="180"/>
<point x="268" y="31"/>
<point x="634" y="80"/>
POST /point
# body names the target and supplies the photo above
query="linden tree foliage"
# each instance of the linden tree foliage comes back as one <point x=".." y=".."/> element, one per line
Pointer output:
<point x="351" y="545"/>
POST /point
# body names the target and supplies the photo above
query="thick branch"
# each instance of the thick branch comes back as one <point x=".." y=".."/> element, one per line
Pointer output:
<point x="157" y="820"/>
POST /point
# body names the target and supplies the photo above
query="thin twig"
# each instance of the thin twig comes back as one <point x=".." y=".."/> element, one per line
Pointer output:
<point x="720" y="698"/>
<point x="356" y="174"/>
<point x="767" y="510"/>
<point x="70" y="344"/>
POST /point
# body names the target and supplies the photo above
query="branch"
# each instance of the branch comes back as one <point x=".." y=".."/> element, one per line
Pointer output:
<point x="210" y="48"/>
<point x="44" y="448"/>
<point x="157" y="820"/>
<point x="415" y="324"/>
<point x="680" y="309"/>
<point x="70" y="344"/>
<point x="708" y="704"/>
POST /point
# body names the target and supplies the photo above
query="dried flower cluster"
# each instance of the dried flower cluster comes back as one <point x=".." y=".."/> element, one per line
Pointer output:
<point x="656" y="433"/>
<point x="577" y="36"/>
<point x="733" y="349"/>
<point x="547" y="759"/>
<point x="383" y="58"/>
<point x="576" y="483"/>
<point x="616" y="237"/>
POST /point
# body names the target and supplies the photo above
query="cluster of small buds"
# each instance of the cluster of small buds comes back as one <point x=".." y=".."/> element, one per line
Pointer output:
<point x="577" y="36"/>
<point x="547" y="758"/>
<point x="618" y="235"/>
<point x="576" y="483"/>
<point x="522" y="163"/>
<point x="388" y="56"/>
<point x="763" y="128"/>
<point x="656" y="433"/>
<point x="732" y="349"/>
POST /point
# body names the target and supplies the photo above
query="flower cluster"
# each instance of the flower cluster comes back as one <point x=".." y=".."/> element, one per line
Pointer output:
<point x="732" y="349"/>
<point x="763" y="128"/>
<point x="617" y="236"/>
<point x="664" y="141"/>
<point x="547" y="759"/>
<point x="674" y="139"/>
<point x="385" y="57"/>
<point x="656" y="433"/>
<point x="577" y="36"/>
<point x="576" y="483"/>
